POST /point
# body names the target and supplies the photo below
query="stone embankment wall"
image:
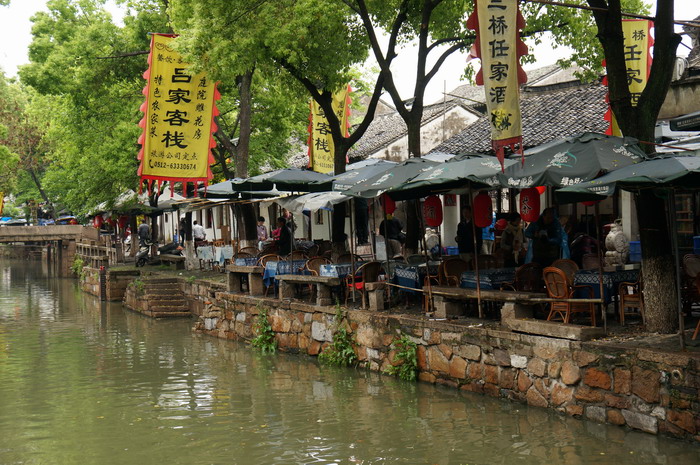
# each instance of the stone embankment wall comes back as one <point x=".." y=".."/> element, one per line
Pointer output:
<point x="643" y="389"/>
<point x="116" y="282"/>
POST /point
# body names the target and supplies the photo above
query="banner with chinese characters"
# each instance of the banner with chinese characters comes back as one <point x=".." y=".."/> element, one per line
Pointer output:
<point x="178" y="120"/>
<point x="638" y="42"/>
<point x="498" y="45"/>
<point x="321" y="148"/>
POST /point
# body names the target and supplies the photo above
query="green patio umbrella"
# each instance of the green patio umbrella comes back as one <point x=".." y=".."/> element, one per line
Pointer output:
<point x="573" y="160"/>
<point x="356" y="173"/>
<point x="288" y="179"/>
<point x="681" y="170"/>
<point x="398" y="174"/>
<point x="451" y="176"/>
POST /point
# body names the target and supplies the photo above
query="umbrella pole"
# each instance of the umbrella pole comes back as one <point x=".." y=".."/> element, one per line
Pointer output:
<point x="374" y="231"/>
<point x="476" y="257"/>
<point x="352" y="253"/>
<point x="386" y="242"/>
<point x="600" y="269"/>
<point x="674" y="241"/>
<point x="427" y="259"/>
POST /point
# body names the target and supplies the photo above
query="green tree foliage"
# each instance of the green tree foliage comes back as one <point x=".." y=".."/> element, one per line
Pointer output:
<point x="84" y="66"/>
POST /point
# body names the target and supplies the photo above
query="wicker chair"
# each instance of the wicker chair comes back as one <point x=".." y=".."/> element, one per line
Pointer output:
<point x="631" y="297"/>
<point x="297" y="255"/>
<point x="569" y="267"/>
<point x="367" y="273"/>
<point x="559" y="287"/>
<point x="249" y="250"/>
<point x="262" y="261"/>
<point x="348" y="257"/>
<point x="452" y="270"/>
<point x="416" y="259"/>
<point x="528" y="278"/>
<point x="313" y="266"/>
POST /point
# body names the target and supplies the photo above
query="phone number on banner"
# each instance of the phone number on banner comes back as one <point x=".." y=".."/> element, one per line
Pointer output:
<point x="173" y="166"/>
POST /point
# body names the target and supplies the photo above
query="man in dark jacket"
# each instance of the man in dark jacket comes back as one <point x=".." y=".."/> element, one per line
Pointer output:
<point x="465" y="236"/>
<point x="284" y="243"/>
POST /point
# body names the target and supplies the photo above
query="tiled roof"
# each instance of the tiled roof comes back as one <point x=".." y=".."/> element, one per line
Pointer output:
<point x="385" y="129"/>
<point x="546" y="116"/>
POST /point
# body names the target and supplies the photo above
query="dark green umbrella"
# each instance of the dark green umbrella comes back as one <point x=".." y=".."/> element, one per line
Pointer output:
<point x="398" y="174"/>
<point x="573" y="160"/>
<point x="479" y="171"/>
<point x="356" y="173"/>
<point x="681" y="170"/>
<point x="288" y="179"/>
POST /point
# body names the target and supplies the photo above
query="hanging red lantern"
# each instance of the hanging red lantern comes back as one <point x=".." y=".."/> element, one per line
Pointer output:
<point x="432" y="211"/>
<point x="97" y="221"/>
<point x="483" y="213"/>
<point x="541" y="189"/>
<point x="590" y="203"/>
<point x="123" y="222"/>
<point x="389" y="204"/>
<point x="529" y="204"/>
<point x="111" y="221"/>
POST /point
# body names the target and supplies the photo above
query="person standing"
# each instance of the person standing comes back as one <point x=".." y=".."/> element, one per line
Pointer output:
<point x="465" y="236"/>
<point x="512" y="241"/>
<point x="198" y="232"/>
<point x="488" y="237"/>
<point x="548" y="241"/>
<point x="144" y="232"/>
<point x="284" y="243"/>
<point x="262" y="232"/>
<point x="182" y="230"/>
<point x="391" y="228"/>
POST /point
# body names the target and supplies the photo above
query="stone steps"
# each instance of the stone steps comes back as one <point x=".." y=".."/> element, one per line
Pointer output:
<point x="164" y="298"/>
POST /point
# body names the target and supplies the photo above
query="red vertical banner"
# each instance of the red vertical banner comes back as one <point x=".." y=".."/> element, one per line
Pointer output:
<point x="178" y="122"/>
<point x="498" y="45"/>
<point x="638" y="43"/>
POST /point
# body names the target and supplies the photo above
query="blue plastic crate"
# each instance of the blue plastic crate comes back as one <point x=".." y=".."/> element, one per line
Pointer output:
<point x="635" y="252"/>
<point x="452" y="250"/>
<point x="696" y="245"/>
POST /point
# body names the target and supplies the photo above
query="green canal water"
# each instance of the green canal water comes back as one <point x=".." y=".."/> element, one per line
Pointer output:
<point x="84" y="382"/>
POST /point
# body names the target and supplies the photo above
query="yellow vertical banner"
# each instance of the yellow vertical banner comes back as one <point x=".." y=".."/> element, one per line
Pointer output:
<point x="321" y="147"/>
<point x="178" y="118"/>
<point x="499" y="47"/>
<point x="637" y="44"/>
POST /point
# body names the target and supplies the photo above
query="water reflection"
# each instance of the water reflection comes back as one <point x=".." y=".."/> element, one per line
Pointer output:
<point x="87" y="382"/>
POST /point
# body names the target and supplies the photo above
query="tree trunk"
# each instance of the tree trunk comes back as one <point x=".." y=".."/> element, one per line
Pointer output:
<point x="35" y="178"/>
<point x="658" y="265"/>
<point x="413" y="230"/>
<point x="245" y="110"/>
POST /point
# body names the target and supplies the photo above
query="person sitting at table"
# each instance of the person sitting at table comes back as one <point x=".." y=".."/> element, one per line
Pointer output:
<point x="548" y="241"/>
<point x="512" y="241"/>
<point x="391" y="228"/>
<point x="465" y="236"/>
<point x="262" y="232"/>
<point x="284" y="240"/>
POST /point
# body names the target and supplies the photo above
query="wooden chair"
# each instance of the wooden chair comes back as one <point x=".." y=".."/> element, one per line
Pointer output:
<point x="367" y="273"/>
<point x="559" y="287"/>
<point x="313" y="266"/>
<point x="452" y="270"/>
<point x="244" y="255"/>
<point x="433" y="280"/>
<point x="528" y="278"/>
<point x="569" y="267"/>
<point x="218" y="243"/>
<point x="631" y="297"/>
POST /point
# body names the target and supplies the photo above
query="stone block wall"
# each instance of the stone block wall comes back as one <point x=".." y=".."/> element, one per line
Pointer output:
<point x="117" y="282"/>
<point x="90" y="281"/>
<point x="642" y="389"/>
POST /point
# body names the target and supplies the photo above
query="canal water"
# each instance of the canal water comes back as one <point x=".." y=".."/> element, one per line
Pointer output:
<point x="84" y="382"/>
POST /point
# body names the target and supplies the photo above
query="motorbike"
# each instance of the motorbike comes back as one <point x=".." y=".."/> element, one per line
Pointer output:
<point x="144" y="256"/>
